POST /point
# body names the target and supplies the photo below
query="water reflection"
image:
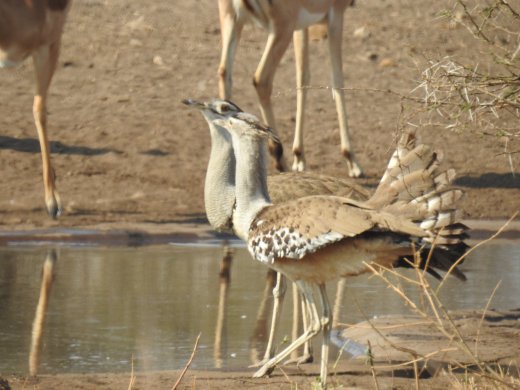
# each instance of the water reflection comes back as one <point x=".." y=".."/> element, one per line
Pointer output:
<point x="41" y="310"/>
<point x="225" y="280"/>
<point x="150" y="303"/>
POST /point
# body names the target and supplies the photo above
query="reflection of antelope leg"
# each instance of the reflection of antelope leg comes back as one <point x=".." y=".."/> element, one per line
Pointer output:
<point x="225" y="279"/>
<point x="258" y="339"/>
<point x="41" y="309"/>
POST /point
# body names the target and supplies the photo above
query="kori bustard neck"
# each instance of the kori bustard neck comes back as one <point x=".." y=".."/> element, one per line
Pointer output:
<point x="219" y="185"/>
<point x="251" y="181"/>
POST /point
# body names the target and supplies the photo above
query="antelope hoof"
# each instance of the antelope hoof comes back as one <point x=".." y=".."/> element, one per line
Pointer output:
<point x="265" y="370"/>
<point x="354" y="170"/>
<point x="276" y="150"/>
<point x="298" y="165"/>
<point x="53" y="205"/>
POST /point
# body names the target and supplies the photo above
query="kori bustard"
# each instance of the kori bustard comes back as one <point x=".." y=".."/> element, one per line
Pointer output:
<point x="316" y="239"/>
<point x="34" y="28"/>
<point x="219" y="199"/>
<point x="283" y="20"/>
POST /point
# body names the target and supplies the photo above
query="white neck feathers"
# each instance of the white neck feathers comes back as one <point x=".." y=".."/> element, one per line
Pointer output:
<point x="251" y="182"/>
<point x="219" y="186"/>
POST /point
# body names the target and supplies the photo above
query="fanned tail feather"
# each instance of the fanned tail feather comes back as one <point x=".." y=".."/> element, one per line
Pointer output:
<point x="406" y="143"/>
<point x="413" y="187"/>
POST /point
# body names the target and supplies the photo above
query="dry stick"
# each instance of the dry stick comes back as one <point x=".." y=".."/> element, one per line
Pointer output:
<point x="386" y="327"/>
<point x="436" y="304"/>
<point x="403" y="295"/>
<point x="484" y="315"/>
<point x="371" y="362"/>
<point x="132" y="376"/>
<point x="516" y="14"/>
<point x="423" y="314"/>
<point x="419" y="359"/>
<point x="456" y="330"/>
<point x="411" y="352"/>
<point x="188" y="363"/>
<point x="462" y="343"/>
<point x="286" y="376"/>
<point x="474" y="23"/>
<point x="493" y="375"/>
<point x="416" y="372"/>
<point x="426" y="288"/>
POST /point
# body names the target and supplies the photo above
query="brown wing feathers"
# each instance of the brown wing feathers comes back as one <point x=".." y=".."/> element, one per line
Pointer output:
<point x="413" y="201"/>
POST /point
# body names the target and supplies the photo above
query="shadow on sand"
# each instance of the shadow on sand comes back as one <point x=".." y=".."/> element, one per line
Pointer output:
<point x="31" y="145"/>
<point x="489" y="180"/>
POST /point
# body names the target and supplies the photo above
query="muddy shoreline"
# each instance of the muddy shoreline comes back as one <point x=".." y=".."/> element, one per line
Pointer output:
<point x="136" y="234"/>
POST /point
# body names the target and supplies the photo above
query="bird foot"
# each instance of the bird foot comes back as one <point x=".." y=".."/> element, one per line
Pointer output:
<point x="303" y="359"/>
<point x="266" y="369"/>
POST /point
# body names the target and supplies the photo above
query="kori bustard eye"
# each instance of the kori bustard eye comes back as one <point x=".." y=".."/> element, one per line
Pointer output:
<point x="225" y="108"/>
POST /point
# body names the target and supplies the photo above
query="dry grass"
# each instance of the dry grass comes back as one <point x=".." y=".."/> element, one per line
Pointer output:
<point x="482" y="96"/>
<point x="477" y="374"/>
<point x="188" y="364"/>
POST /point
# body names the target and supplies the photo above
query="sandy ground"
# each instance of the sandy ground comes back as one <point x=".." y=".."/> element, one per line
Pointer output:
<point x="126" y="150"/>
<point x="129" y="155"/>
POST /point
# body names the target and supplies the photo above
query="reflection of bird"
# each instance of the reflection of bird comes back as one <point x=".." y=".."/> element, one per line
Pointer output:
<point x="219" y="192"/>
<point x="35" y="28"/>
<point x="225" y="278"/>
<point x="318" y="238"/>
<point x="41" y="310"/>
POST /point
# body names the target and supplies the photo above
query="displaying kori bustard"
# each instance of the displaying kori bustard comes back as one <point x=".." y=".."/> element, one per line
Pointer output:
<point x="34" y="28"/>
<point x="219" y="199"/>
<point x="284" y="20"/>
<point x="315" y="239"/>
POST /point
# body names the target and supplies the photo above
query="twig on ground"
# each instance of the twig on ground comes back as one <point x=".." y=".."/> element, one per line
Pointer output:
<point x="371" y="362"/>
<point x="484" y="316"/>
<point x="187" y="364"/>
<point x="132" y="376"/>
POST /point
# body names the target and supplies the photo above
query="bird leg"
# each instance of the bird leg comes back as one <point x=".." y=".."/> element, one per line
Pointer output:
<point x="326" y="322"/>
<point x="278" y="295"/>
<point x="308" y="334"/>
<point x="306" y="357"/>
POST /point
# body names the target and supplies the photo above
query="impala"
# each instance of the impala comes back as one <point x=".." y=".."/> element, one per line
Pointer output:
<point x="34" y="28"/>
<point x="283" y="20"/>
